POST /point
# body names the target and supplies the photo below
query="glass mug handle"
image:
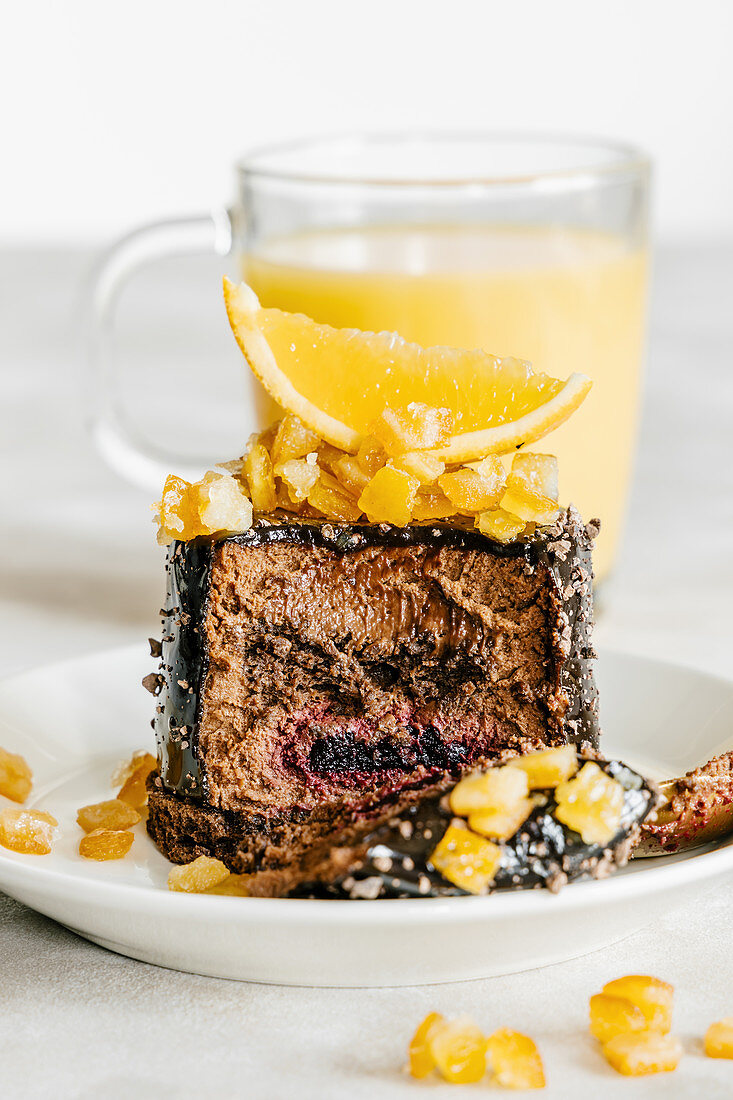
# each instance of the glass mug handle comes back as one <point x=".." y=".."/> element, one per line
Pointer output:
<point x="117" y="440"/>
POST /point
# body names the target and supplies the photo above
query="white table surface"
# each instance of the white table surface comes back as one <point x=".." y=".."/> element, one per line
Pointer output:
<point x="80" y="571"/>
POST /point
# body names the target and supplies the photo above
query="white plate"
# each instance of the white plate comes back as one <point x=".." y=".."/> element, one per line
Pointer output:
<point x="75" y="721"/>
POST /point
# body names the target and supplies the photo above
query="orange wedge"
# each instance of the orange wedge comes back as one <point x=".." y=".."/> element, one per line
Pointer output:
<point x="338" y="381"/>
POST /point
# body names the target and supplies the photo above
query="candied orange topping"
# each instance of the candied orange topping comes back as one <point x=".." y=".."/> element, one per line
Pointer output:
<point x="30" y="832"/>
<point x="105" y="844"/>
<point x="16" y="778"/>
<point x="591" y="803"/>
<point x="198" y="876"/>
<point x="495" y="789"/>
<point x="514" y="1060"/>
<point x="394" y="477"/>
<point x="467" y="860"/>
<point x="112" y="814"/>
<point x="549" y="767"/>
<point x="134" y="789"/>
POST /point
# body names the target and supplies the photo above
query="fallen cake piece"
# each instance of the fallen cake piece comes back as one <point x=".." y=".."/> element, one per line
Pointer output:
<point x="317" y="678"/>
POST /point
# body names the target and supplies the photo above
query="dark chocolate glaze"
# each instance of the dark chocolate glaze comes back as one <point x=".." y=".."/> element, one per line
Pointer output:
<point x="543" y="852"/>
<point x="564" y="548"/>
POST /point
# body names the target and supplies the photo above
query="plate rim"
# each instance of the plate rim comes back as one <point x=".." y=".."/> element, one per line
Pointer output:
<point x="661" y="874"/>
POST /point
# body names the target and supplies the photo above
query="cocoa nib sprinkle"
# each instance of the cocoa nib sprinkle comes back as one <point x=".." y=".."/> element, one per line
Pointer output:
<point x="153" y="683"/>
<point x="156" y="648"/>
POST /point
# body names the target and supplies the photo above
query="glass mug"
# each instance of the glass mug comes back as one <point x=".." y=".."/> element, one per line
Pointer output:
<point x="530" y="247"/>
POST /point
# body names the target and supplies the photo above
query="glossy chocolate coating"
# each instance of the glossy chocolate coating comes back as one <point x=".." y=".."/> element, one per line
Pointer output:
<point x="543" y="852"/>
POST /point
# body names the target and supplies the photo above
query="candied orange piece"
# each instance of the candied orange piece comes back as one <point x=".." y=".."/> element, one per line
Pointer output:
<point x="416" y="428"/>
<point x="636" y="1054"/>
<point x="536" y="474"/>
<point x="178" y="511"/>
<point x="421" y="1061"/>
<point x="477" y="487"/>
<point x="514" y="1060"/>
<point x="124" y="770"/>
<point x="549" y="767"/>
<point x="458" y="1049"/>
<point x="292" y="440"/>
<point x="496" y="789"/>
<point x="389" y="496"/>
<point x="134" y="790"/>
<point x="350" y="475"/>
<point x="432" y="503"/>
<point x="198" y="876"/>
<point x="654" y="997"/>
<point x="235" y="886"/>
<point x="328" y="497"/>
<point x="31" y="832"/>
<point x="257" y="468"/>
<point x="299" y="475"/>
<point x="500" y="525"/>
<point x="112" y="814"/>
<point x="465" y="859"/>
<point x="106" y="844"/>
<point x="500" y="824"/>
<point x="16" y="778"/>
<point x="420" y="464"/>
<point x="591" y="804"/>
<point x="371" y="455"/>
<point x="328" y="457"/>
<point x="611" y="1016"/>
<point x="222" y="503"/>
<point x="719" y="1039"/>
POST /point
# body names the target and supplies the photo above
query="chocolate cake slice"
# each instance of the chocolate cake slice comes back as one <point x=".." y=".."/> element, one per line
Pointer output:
<point x="318" y="678"/>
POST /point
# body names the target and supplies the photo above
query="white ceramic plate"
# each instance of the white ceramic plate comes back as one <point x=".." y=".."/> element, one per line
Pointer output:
<point x="75" y="721"/>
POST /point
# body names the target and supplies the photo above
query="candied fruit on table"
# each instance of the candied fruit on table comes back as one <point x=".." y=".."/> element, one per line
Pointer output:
<point x="719" y="1039"/>
<point x="31" y="832"/>
<point x="654" y="997"/>
<point x="500" y="788"/>
<point x="465" y="859"/>
<point x="458" y="1049"/>
<point x="112" y="814"/>
<point x="105" y="844"/>
<point x="420" y="1058"/>
<point x="549" y="767"/>
<point x="198" y="876"/>
<point x="611" y="1016"/>
<point x="16" y="778"/>
<point x="591" y="803"/>
<point x="636" y="1054"/>
<point x="514" y="1060"/>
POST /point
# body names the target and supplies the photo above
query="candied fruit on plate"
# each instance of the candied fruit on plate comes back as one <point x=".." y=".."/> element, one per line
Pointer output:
<point x="105" y="844"/>
<point x="465" y="859"/>
<point x="16" y="778"/>
<point x="30" y="832"/>
<point x="549" y="767"/>
<point x="196" y="877"/>
<point x="112" y="814"/>
<point x="514" y="1060"/>
<point x="496" y="789"/>
<point x="591" y="803"/>
<point x="636" y="1054"/>
<point x="134" y="786"/>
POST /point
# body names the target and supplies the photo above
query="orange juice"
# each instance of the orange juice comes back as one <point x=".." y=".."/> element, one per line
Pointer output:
<point x="566" y="299"/>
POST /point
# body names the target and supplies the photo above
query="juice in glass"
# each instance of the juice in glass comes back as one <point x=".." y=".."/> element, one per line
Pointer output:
<point x="567" y="299"/>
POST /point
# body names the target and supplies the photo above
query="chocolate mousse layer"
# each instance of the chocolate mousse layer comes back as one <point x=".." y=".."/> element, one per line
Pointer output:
<point x="316" y="678"/>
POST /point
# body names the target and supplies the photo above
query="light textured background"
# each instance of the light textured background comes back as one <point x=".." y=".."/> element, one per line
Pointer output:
<point x="115" y="114"/>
